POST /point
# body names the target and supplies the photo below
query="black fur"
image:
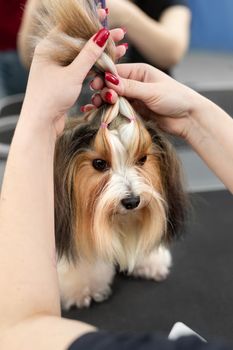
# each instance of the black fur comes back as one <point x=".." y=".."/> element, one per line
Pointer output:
<point x="173" y="183"/>
<point x="72" y="142"/>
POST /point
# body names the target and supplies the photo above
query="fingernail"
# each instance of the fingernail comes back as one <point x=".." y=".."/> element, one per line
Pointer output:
<point x="126" y="45"/>
<point x="82" y="109"/>
<point x="107" y="10"/>
<point x="93" y="98"/>
<point x="101" y="37"/>
<point x="90" y="86"/>
<point x="89" y="108"/>
<point x="108" y="97"/>
<point x="124" y="30"/>
<point x="111" y="78"/>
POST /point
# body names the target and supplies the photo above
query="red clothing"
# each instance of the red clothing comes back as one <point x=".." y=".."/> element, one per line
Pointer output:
<point x="11" y="12"/>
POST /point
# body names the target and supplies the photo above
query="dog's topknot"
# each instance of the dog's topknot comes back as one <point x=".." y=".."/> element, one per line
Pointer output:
<point x="68" y="25"/>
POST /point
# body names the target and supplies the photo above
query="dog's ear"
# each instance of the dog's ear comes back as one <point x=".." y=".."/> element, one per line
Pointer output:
<point x="75" y="139"/>
<point x="64" y="198"/>
<point x="172" y="182"/>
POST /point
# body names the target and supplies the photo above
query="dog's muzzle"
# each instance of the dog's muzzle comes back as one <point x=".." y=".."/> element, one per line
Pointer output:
<point x="131" y="202"/>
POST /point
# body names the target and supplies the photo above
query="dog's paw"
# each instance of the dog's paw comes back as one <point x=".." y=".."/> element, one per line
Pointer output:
<point x="156" y="266"/>
<point x="102" y="295"/>
<point x="81" y="284"/>
<point x="81" y="299"/>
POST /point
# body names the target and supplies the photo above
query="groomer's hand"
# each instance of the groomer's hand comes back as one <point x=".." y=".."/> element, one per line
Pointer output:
<point x="52" y="89"/>
<point x="153" y="94"/>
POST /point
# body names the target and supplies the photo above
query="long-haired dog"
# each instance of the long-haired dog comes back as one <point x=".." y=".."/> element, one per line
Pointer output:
<point x="119" y="198"/>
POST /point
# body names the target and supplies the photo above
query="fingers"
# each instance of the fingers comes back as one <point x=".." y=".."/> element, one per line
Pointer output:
<point x="121" y="50"/>
<point x="123" y="87"/>
<point x="109" y="91"/>
<point x="141" y="72"/>
<point x="118" y="35"/>
<point x="96" y="100"/>
<point x="105" y="96"/>
<point x="97" y="84"/>
<point x="109" y="95"/>
<point x="93" y="49"/>
<point x="132" y="89"/>
<point x="102" y="14"/>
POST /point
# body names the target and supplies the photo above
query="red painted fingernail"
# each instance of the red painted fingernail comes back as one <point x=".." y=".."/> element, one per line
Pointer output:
<point x="111" y="78"/>
<point x="82" y="109"/>
<point x="126" y="45"/>
<point x="108" y="97"/>
<point x="124" y="30"/>
<point x="101" y="37"/>
<point x="107" y="10"/>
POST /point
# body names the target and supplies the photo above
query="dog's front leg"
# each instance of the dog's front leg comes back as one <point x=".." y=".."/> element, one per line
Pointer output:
<point x="155" y="266"/>
<point x="83" y="282"/>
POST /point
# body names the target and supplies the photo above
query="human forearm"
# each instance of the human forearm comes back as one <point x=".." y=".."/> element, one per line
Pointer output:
<point x="211" y="136"/>
<point x="163" y="43"/>
<point x="27" y="251"/>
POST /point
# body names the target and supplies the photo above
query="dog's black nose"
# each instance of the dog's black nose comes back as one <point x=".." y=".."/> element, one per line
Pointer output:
<point x="131" y="202"/>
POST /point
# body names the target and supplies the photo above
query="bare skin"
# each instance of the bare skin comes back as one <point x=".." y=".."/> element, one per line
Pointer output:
<point x="166" y="40"/>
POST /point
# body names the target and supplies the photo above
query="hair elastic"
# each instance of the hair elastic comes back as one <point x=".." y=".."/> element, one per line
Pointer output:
<point x="132" y="119"/>
<point x="104" y="125"/>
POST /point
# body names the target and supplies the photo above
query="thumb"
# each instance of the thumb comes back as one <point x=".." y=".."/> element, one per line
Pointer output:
<point x="134" y="89"/>
<point x="90" y="53"/>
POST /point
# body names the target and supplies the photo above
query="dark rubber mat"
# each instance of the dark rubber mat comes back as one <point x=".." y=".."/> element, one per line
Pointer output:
<point x="199" y="290"/>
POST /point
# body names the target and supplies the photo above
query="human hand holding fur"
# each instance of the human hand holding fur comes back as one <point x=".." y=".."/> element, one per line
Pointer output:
<point x="176" y="109"/>
<point x="53" y="88"/>
<point x="153" y="94"/>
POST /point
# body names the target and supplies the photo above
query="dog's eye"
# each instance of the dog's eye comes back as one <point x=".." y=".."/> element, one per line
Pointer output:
<point x="142" y="160"/>
<point x="100" y="164"/>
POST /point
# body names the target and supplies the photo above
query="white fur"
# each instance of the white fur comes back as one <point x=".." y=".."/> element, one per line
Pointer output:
<point x="81" y="284"/>
<point x="155" y="266"/>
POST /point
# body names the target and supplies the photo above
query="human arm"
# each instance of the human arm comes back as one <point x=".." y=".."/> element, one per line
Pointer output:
<point x="162" y="42"/>
<point x="178" y="110"/>
<point x="29" y="293"/>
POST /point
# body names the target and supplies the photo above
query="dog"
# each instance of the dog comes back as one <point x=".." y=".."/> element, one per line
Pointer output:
<point x="119" y="201"/>
<point x="119" y="196"/>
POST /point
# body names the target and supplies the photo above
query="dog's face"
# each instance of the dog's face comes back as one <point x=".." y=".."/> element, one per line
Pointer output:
<point x="117" y="189"/>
